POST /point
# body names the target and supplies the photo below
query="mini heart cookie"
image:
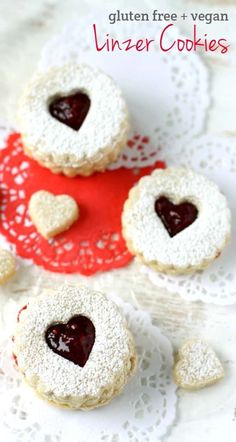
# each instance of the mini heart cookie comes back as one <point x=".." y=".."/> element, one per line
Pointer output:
<point x="7" y="265"/>
<point x="197" y="365"/>
<point x="52" y="214"/>
<point x="74" y="348"/>
<point x="176" y="221"/>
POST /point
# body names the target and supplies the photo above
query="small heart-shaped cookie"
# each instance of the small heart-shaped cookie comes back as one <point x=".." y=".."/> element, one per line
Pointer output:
<point x="7" y="265"/>
<point x="197" y="365"/>
<point x="52" y="214"/>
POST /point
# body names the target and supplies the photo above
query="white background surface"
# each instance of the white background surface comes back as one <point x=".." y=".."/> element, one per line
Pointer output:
<point x="207" y="415"/>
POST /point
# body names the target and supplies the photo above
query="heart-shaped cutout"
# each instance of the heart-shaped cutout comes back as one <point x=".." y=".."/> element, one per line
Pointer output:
<point x="74" y="340"/>
<point x="197" y="366"/>
<point x="175" y="217"/>
<point x="71" y="110"/>
<point x="52" y="214"/>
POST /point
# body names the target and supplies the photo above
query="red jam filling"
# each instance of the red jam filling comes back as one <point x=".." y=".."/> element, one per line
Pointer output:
<point x="19" y="312"/>
<point x="175" y="217"/>
<point x="14" y="358"/>
<point x="74" y="340"/>
<point x="71" y="110"/>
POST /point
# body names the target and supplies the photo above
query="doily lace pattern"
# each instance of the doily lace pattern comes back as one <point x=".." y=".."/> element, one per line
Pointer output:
<point x="143" y="412"/>
<point x="214" y="157"/>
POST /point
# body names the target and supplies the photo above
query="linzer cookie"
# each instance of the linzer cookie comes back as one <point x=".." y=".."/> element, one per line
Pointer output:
<point x="176" y="221"/>
<point x="197" y="365"/>
<point x="73" y="119"/>
<point x="73" y="347"/>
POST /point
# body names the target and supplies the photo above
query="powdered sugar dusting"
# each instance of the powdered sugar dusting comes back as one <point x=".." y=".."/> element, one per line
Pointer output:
<point x="105" y="126"/>
<point x="193" y="246"/>
<point x="198" y="365"/>
<point x="109" y="359"/>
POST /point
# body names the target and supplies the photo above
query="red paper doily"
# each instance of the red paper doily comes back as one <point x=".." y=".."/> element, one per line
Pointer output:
<point x="94" y="243"/>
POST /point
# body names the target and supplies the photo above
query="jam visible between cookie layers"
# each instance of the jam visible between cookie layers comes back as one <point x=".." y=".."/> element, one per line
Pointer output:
<point x="74" y="340"/>
<point x="19" y="312"/>
<point x="14" y="357"/>
<point x="175" y="217"/>
<point x="71" y="110"/>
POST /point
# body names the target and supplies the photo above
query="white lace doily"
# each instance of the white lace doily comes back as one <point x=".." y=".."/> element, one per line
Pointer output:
<point x="143" y="412"/>
<point x="167" y="93"/>
<point x="214" y="157"/>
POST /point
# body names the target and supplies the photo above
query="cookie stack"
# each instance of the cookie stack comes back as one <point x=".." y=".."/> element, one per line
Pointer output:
<point x="73" y="120"/>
